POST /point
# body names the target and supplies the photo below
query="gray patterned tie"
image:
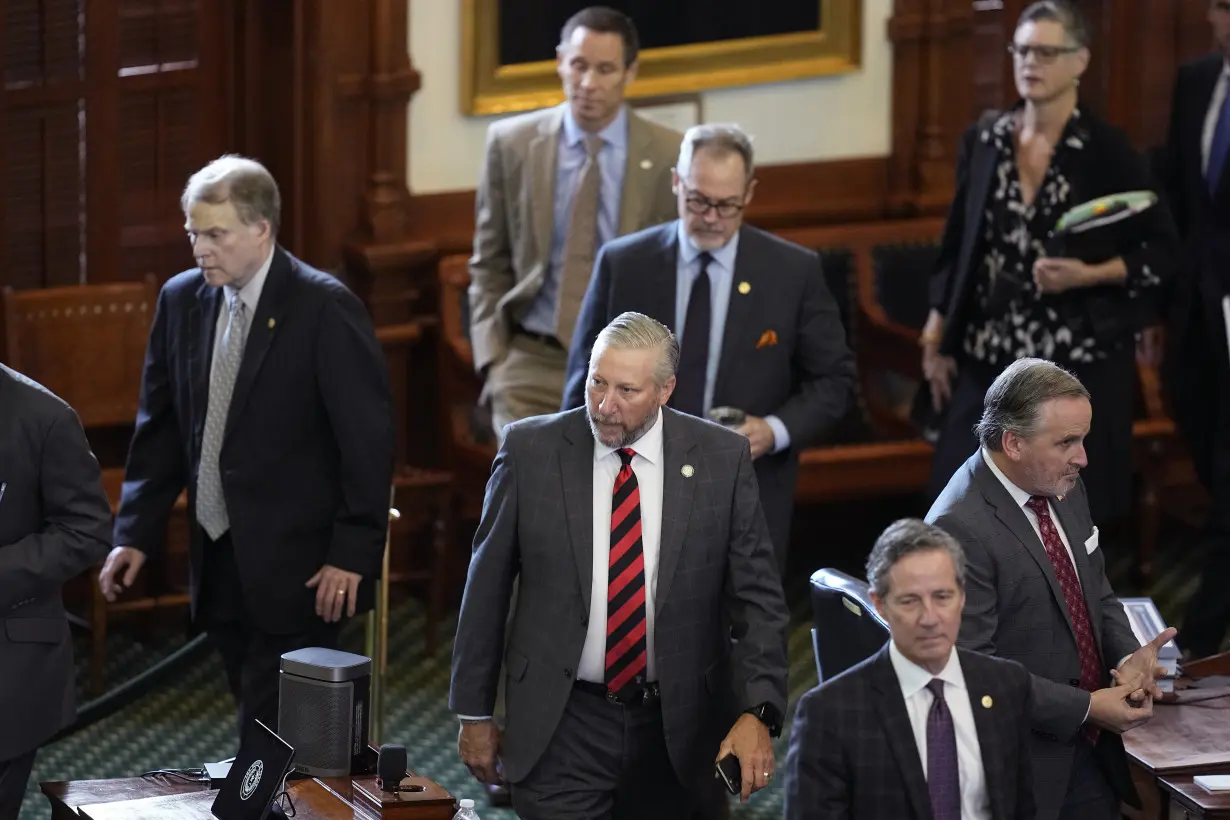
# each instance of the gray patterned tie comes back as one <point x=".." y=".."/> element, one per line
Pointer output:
<point x="210" y="505"/>
<point x="943" y="776"/>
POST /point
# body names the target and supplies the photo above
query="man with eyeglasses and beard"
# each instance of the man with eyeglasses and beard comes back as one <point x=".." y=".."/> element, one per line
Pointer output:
<point x="760" y="332"/>
<point x="636" y="532"/>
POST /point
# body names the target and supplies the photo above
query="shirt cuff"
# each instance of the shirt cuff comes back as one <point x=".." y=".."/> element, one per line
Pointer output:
<point x="473" y="718"/>
<point x="1088" y="709"/>
<point x="781" y="436"/>
<point x="1122" y="661"/>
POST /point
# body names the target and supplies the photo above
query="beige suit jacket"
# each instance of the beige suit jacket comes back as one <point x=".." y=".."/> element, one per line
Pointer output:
<point x="514" y="214"/>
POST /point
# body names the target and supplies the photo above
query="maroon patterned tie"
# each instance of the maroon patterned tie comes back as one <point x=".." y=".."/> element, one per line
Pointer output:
<point x="625" y="591"/>
<point x="1065" y="572"/>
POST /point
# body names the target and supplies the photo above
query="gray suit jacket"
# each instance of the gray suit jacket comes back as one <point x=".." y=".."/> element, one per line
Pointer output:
<point x="55" y="522"/>
<point x="514" y="214"/>
<point x="1014" y="608"/>
<point x="715" y="561"/>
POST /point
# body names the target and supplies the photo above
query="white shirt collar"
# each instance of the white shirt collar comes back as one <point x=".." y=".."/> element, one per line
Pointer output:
<point x="648" y="446"/>
<point x="1018" y="495"/>
<point x="913" y="678"/>
<point x="251" y="292"/>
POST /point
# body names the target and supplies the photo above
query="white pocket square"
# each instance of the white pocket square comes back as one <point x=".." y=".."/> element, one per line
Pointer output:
<point x="1091" y="543"/>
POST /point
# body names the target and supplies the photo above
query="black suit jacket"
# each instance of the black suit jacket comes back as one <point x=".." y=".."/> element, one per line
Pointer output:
<point x="1014" y="608"/>
<point x="806" y="378"/>
<point x="55" y="522"/>
<point x="1108" y="164"/>
<point x="307" y="457"/>
<point x="1196" y="341"/>
<point x="853" y="755"/>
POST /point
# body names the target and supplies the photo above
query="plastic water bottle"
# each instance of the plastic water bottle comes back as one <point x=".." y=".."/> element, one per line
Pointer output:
<point x="465" y="810"/>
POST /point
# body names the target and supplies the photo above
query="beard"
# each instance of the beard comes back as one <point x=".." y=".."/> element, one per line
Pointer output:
<point x="628" y="437"/>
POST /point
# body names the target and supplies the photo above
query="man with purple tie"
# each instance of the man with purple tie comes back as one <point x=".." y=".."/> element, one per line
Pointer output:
<point x="921" y="729"/>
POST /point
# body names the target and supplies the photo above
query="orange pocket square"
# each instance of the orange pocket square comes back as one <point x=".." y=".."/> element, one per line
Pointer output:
<point x="767" y="339"/>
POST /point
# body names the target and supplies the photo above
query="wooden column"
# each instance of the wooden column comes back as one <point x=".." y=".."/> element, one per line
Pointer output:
<point x="932" y="46"/>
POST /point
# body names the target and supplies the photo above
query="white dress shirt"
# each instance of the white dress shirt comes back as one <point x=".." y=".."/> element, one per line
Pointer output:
<point x="648" y="466"/>
<point x="975" y="802"/>
<point x="250" y="294"/>
<point x="1021" y="497"/>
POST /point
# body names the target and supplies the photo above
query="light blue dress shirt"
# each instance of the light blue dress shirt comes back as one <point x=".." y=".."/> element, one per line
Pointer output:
<point x="612" y="159"/>
<point x="721" y="277"/>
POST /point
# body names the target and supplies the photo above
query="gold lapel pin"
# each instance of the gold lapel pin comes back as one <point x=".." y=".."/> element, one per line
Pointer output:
<point x="745" y="288"/>
<point x="987" y="702"/>
<point x="272" y="322"/>
<point x="687" y="470"/>
<point x="646" y="164"/>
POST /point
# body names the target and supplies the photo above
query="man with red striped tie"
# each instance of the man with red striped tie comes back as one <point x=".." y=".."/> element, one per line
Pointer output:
<point x="637" y="534"/>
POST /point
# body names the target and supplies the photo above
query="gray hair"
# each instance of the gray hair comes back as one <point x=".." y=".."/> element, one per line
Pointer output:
<point x="902" y="538"/>
<point x="636" y="331"/>
<point x="1014" y="402"/>
<point x="1061" y="12"/>
<point x="720" y="138"/>
<point x="243" y="182"/>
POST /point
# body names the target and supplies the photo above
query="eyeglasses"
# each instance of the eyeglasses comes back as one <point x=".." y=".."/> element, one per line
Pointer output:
<point x="700" y="204"/>
<point x="1045" y="54"/>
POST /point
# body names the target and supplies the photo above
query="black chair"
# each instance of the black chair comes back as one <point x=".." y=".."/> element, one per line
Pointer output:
<point x="846" y="627"/>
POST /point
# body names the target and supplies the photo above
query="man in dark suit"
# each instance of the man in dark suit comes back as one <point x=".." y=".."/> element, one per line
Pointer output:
<point x="1197" y="363"/>
<point x="55" y="523"/>
<point x="266" y="393"/>
<point x="955" y="723"/>
<point x="1036" y="589"/>
<point x="636" y="530"/>
<point x="759" y="330"/>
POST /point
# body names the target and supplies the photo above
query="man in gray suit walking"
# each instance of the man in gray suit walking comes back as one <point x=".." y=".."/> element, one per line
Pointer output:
<point x="1037" y="593"/>
<point x="637" y="533"/>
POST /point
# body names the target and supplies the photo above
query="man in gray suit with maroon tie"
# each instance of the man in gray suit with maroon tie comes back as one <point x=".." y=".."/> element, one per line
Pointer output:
<point x="1037" y="593"/>
<point x="637" y="532"/>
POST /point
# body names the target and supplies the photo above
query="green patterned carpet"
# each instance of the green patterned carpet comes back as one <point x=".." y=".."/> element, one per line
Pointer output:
<point x="190" y="719"/>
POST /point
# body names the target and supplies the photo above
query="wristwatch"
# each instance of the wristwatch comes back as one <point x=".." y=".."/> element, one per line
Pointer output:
<point x="769" y="715"/>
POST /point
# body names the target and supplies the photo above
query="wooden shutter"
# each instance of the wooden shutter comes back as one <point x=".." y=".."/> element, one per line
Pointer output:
<point x="107" y="107"/>
<point x="41" y="109"/>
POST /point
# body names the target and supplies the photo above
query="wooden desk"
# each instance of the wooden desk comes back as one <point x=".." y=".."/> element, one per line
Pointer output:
<point x="1181" y="739"/>
<point x="159" y="796"/>
<point x="1190" y="802"/>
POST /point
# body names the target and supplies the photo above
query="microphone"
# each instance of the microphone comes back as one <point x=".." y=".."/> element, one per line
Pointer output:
<point x="391" y="766"/>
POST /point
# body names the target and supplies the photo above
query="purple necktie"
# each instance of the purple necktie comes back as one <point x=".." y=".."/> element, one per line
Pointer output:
<point x="943" y="779"/>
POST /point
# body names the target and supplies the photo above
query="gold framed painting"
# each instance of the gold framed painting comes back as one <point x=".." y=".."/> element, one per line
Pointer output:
<point x="508" y="46"/>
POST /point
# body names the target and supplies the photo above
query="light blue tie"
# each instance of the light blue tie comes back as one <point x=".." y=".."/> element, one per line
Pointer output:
<point x="210" y="503"/>
<point x="1220" y="146"/>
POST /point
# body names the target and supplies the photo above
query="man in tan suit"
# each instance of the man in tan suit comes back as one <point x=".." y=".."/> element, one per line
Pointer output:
<point x="556" y="184"/>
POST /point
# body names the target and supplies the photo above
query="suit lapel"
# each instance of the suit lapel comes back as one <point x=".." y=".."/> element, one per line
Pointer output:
<point x="202" y="321"/>
<point x="543" y="157"/>
<point x="737" y="335"/>
<point x="639" y="176"/>
<point x="659" y="278"/>
<point x="677" y="492"/>
<point x="890" y="706"/>
<point x="1013" y="517"/>
<point x="988" y="732"/>
<point x="269" y="314"/>
<point x="576" y="463"/>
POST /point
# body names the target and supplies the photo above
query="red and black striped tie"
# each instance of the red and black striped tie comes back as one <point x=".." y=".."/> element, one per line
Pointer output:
<point x="625" y="591"/>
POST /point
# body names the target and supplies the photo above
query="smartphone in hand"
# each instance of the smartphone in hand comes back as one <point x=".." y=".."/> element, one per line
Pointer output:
<point x="731" y="773"/>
